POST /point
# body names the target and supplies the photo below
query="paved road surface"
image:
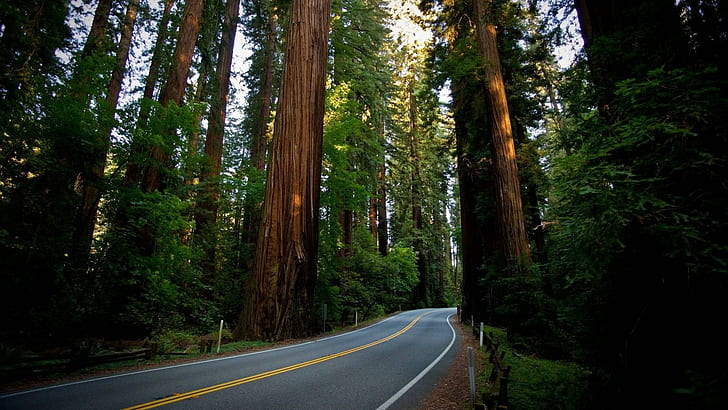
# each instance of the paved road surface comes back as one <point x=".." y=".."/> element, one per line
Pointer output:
<point x="392" y="364"/>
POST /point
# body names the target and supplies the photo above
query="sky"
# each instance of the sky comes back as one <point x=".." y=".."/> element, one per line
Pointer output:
<point x="402" y="27"/>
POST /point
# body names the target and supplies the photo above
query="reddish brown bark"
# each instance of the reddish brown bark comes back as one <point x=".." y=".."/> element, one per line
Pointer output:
<point x="150" y="174"/>
<point x="509" y="208"/>
<point x="279" y="294"/>
<point x="373" y="217"/>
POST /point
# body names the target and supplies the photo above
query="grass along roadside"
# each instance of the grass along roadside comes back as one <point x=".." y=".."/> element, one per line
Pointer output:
<point x="534" y="383"/>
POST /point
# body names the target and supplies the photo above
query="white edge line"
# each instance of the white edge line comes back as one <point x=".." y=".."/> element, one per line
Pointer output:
<point x="116" y="376"/>
<point x="422" y="374"/>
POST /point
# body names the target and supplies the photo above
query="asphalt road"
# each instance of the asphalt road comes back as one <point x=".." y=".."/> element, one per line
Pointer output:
<point x="392" y="364"/>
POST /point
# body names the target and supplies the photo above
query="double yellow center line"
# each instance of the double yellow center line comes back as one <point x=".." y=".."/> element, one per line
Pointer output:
<point x="206" y="390"/>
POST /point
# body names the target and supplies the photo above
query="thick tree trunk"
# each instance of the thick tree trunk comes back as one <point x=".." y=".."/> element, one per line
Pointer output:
<point x="260" y="140"/>
<point x="207" y="206"/>
<point x="512" y="225"/>
<point x="206" y="46"/>
<point x="625" y="22"/>
<point x="279" y="295"/>
<point x="151" y="174"/>
<point x="95" y="44"/>
<point x="476" y="232"/>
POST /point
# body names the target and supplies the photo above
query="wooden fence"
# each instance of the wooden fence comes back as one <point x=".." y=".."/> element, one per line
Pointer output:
<point x="497" y="396"/>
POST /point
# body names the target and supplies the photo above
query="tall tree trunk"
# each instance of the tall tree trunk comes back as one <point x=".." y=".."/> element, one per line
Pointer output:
<point x="625" y="40"/>
<point x="95" y="44"/>
<point x="207" y="205"/>
<point x="511" y="221"/>
<point x="92" y="187"/>
<point x="382" y="228"/>
<point x="259" y="143"/>
<point x="420" y="295"/>
<point x="151" y="174"/>
<point x="133" y="168"/>
<point x="96" y="36"/>
<point x="279" y="294"/>
<point x="174" y="89"/>
<point x="476" y="188"/>
<point x="625" y="22"/>
<point x="373" y="217"/>
<point x="206" y="48"/>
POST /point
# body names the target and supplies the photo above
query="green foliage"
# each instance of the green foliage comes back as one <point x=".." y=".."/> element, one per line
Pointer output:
<point x="242" y="346"/>
<point x="169" y="341"/>
<point x="637" y="173"/>
<point x="638" y="205"/>
<point x="155" y="291"/>
<point x="545" y="384"/>
<point x="538" y="383"/>
<point x="369" y="283"/>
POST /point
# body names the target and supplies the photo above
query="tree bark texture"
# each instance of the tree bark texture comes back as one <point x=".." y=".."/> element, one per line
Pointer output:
<point x="512" y="225"/>
<point x="278" y="303"/>
<point x="95" y="44"/>
<point x="157" y="58"/>
<point x="373" y="217"/>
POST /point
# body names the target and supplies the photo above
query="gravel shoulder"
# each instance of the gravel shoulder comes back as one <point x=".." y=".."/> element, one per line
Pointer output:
<point x="453" y="392"/>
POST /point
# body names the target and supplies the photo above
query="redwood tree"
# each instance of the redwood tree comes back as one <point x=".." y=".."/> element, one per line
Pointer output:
<point x="509" y="209"/>
<point x="279" y="294"/>
<point x="151" y="174"/>
<point x="174" y="89"/>
<point x="207" y="206"/>
<point x="93" y="182"/>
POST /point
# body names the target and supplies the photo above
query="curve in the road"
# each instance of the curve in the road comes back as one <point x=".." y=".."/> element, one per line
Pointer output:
<point x="259" y="376"/>
<point x="422" y="374"/>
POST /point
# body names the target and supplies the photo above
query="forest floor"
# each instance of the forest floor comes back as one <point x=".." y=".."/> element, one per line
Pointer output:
<point x="452" y="393"/>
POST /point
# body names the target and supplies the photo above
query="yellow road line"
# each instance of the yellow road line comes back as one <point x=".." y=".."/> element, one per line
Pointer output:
<point x="199" y="392"/>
